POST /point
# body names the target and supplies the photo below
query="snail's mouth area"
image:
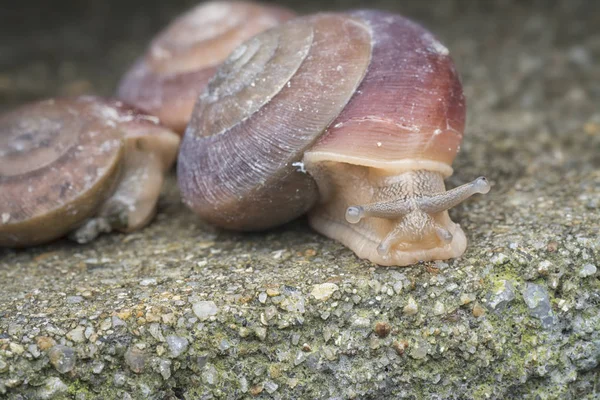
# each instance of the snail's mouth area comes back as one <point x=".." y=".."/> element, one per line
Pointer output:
<point x="365" y="240"/>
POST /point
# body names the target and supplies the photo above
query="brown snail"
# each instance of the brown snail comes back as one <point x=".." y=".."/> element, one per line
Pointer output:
<point x="86" y="165"/>
<point x="167" y="80"/>
<point x="354" y="118"/>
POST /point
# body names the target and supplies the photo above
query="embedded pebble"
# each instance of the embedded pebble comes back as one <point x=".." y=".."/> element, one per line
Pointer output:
<point x="300" y="357"/>
<point x="451" y="287"/>
<point x="382" y="329"/>
<point x="148" y="282"/>
<point x="44" y="342"/>
<point x="135" y="359"/>
<point x="361" y="322"/>
<point x="439" y="308"/>
<point x="76" y="334"/>
<point x="34" y="350"/>
<point x="324" y="291"/>
<point x="106" y="324"/>
<point x="74" y="299"/>
<point x="412" y="307"/>
<point x="16" y="348"/>
<point x="270" y="387"/>
<point x="164" y="369"/>
<point x="52" y="387"/>
<point x="262" y="297"/>
<point x="210" y="375"/>
<point x="398" y="287"/>
<point x="119" y="379"/>
<point x="502" y="294"/>
<point x="177" y="345"/>
<point x="3" y="366"/>
<point x="88" y="332"/>
<point x="478" y="311"/>
<point x="467" y="298"/>
<point x="419" y="350"/>
<point x="294" y="303"/>
<point x="499" y="259"/>
<point x="62" y="358"/>
<point x="260" y="332"/>
<point x="587" y="270"/>
<point x="97" y="367"/>
<point x="205" y="309"/>
<point x="116" y="322"/>
<point x="537" y="299"/>
<point x="544" y="267"/>
<point x="224" y="345"/>
<point x="156" y="332"/>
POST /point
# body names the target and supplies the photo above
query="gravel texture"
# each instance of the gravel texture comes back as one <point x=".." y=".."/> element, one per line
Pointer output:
<point x="182" y="310"/>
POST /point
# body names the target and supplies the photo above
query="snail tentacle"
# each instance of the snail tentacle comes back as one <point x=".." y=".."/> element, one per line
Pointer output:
<point x="390" y="239"/>
<point x="439" y="202"/>
<point x="385" y="209"/>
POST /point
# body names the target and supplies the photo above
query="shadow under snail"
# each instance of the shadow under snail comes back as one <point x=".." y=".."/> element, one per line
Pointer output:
<point x="84" y="165"/>
<point x="354" y="118"/>
<point x="180" y="60"/>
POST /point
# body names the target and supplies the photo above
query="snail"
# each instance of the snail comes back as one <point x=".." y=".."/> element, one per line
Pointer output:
<point x="83" y="165"/>
<point x="353" y="118"/>
<point x="178" y="63"/>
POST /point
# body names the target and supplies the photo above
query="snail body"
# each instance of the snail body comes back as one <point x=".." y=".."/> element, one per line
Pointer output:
<point x="84" y="165"/>
<point x="354" y="118"/>
<point x="167" y="80"/>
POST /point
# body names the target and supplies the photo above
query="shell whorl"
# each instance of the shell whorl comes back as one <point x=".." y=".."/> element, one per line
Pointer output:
<point x="205" y="36"/>
<point x="268" y="103"/>
<point x="51" y="153"/>
<point x="179" y="62"/>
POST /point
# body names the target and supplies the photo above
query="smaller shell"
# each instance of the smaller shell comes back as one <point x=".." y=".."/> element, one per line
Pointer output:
<point x="84" y="163"/>
<point x="179" y="62"/>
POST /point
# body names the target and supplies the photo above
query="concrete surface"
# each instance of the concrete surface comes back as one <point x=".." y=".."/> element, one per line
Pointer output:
<point x="182" y="310"/>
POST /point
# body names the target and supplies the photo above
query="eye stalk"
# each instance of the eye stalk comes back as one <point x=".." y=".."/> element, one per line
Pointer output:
<point x="446" y="200"/>
<point x="430" y="204"/>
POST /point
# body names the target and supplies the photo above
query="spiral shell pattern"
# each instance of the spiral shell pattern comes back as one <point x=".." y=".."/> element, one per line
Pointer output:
<point x="52" y="153"/>
<point x="269" y="102"/>
<point x="167" y="80"/>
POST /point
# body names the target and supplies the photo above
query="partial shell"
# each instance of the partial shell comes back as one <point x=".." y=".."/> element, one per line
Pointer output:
<point x="167" y="80"/>
<point x="62" y="159"/>
<point x="267" y="105"/>
<point x="409" y="111"/>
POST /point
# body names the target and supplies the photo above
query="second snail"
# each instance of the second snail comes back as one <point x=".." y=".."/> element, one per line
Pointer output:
<point x="87" y="165"/>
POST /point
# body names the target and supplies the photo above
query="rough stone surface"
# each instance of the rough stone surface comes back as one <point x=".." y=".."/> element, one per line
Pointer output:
<point x="531" y="77"/>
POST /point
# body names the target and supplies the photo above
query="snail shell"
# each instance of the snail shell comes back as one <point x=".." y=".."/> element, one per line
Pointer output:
<point x="167" y="80"/>
<point x="355" y="118"/>
<point x="86" y="163"/>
